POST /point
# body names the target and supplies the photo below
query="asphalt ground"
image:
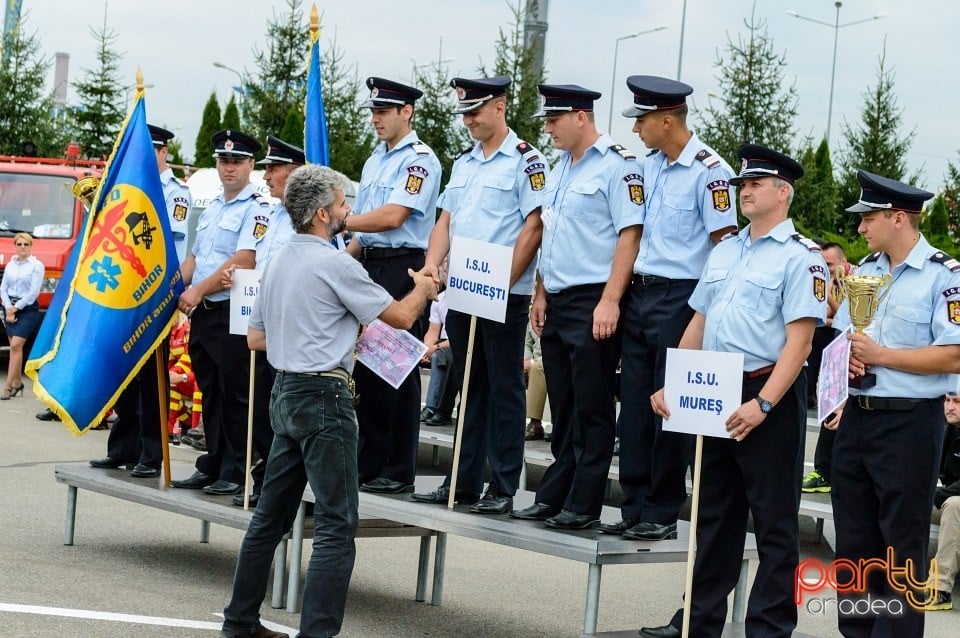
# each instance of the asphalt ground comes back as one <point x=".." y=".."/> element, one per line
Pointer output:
<point x="136" y="571"/>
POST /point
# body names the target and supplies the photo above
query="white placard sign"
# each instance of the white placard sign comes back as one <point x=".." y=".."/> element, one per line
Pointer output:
<point x="390" y="353"/>
<point x="246" y="287"/>
<point x="702" y="389"/>
<point x="479" y="278"/>
<point x="833" y="385"/>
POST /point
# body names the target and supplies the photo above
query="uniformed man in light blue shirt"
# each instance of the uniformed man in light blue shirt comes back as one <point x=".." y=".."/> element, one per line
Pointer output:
<point x="495" y="195"/>
<point x="762" y="293"/>
<point x="227" y="236"/>
<point x="175" y="193"/>
<point x="396" y="207"/>
<point x="887" y="451"/>
<point x="687" y="208"/>
<point x="591" y="231"/>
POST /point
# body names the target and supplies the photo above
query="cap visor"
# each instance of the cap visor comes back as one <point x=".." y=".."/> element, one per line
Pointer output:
<point x="468" y="108"/>
<point x="233" y="155"/>
<point x="862" y="208"/>
<point x="633" y="111"/>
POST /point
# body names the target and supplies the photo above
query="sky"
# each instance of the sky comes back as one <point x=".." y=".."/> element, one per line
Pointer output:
<point x="176" y="42"/>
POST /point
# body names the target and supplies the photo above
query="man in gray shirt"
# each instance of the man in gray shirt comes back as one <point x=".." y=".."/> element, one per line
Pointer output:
<point x="312" y="300"/>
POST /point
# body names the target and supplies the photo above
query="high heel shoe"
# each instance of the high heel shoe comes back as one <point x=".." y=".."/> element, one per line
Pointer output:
<point x="9" y="393"/>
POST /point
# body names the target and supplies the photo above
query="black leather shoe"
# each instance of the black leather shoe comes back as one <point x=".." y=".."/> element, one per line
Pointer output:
<point x="667" y="631"/>
<point x="536" y="512"/>
<point x="383" y="485"/>
<point x="571" y="520"/>
<point x="438" y="420"/>
<point x="254" y="499"/>
<point x="195" y="482"/>
<point x="442" y="494"/>
<point x="108" y="463"/>
<point x="618" y="528"/>
<point x="492" y="503"/>
<point x="259" y="632"/>
<point x="651" y="532"/>
<point x="144" y="471"/>
<point x="223" y="488"/>
<point x="425" y="414"/>
<point x="47" y="415"/>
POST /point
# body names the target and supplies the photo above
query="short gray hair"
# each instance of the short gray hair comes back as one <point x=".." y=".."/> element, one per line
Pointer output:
<point x="309" y="188"/>
<point x="780" y="182"/>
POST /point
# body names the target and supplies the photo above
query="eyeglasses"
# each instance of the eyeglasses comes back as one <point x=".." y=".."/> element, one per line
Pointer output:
<point x="21" y="243"/>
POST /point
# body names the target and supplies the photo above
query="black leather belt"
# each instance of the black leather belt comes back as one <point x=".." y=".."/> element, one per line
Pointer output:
<point x="896" y="404"/>
<point x="639" y="279"/>
<point x="215" y="305"/>
<point x="759" y="372"/>
<point x="337" y="373"/>
<point x="387" y="253"/>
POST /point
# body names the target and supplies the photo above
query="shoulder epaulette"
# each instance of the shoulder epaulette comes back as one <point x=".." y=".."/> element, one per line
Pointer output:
<point x="871" y="257"/>
<point x="420" y="148"/>
<point x="528" y="152"/>
<point x="806" y="241"/>
<point x="624" y="153"/>
<point x="257" y="197"/>
<point x="462" y="153"/>
<point x="523" y="147"/>
<point x="651" y="152"/>
<point x="709" y="159"/>
<point x="940" y="257"/>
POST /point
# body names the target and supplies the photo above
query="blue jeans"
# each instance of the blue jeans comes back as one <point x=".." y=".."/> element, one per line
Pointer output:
<point x="439" y="369"/>
<point x="315" y="440"/>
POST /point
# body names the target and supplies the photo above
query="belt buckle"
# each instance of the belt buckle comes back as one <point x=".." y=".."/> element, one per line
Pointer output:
<point x="206" y="304"/>
<point x="864" y="401"/>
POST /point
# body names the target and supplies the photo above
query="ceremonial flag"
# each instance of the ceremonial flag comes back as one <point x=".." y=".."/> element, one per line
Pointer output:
<point x="315" y="144"/>
<point x="115" y="303"/>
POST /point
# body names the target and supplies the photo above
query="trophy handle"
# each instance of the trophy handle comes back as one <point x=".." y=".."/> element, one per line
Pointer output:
<point x="886" y="287"/>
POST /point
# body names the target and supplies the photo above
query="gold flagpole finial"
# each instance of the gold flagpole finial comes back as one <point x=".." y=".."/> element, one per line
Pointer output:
<point x="314" y="21"/>
<point x="139" y="80"/>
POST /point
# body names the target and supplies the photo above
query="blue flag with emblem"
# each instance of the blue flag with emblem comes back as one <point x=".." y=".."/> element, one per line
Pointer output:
<point x="115" y="303"/>
<point x="315" y="144"/>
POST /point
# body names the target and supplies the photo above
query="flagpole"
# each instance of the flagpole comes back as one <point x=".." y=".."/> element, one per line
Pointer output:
<point x="461" y="412"/>
<point x="692" y="541"/>
<point x="163" y="396"/>
<point x="246" y="474"/>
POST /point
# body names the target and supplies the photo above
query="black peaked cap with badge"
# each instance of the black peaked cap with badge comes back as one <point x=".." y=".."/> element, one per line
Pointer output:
<point x="159" y="136"/>
<point x="760" y="161"/>
<point x="653" y="93"/>
<point x="882" y="193"/>
<point x="472" y="94"/>
<point x="280" y="152"/>
<point x="387" y="93"/>
<point x="565" y="98"/>
<point x="229" y="143"/>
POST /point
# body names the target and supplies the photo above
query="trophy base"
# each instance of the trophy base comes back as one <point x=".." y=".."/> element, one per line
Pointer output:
<point x="865" y="382"/>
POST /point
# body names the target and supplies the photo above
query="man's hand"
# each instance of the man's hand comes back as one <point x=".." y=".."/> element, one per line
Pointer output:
<point x="226" y="277"/>
<point x="864" y="352"/>
<point x="431" y="271"/>
<point x="189" y="300"/>
<point x="659" y="404"/>
<point x="605" y="318"/>
<point x="538" y="314"/>
<point x="425" y="282"/>
<point x="744" y="420"/>
<point x="832" y="422"/>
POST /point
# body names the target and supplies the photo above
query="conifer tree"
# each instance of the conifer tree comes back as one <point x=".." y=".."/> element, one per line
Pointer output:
<point x="209" y="124"/>
<point x="102" y="107"/>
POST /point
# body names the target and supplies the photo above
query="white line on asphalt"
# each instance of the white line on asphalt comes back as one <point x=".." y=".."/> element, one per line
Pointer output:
<point x="129" y="618"/>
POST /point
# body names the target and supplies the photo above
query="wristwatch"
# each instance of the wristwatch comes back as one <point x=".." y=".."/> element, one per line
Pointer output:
<point x="765" y="406"/>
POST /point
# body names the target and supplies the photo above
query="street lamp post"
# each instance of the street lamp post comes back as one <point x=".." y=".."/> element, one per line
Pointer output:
<point x="836" y="26"/>
<point x="239" y="89"/>
<point x="616" y="50"/>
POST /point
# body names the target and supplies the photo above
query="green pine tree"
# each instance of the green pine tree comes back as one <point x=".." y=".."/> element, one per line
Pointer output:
<point x="817" y="196"/>
<point x="209" y="124"/>
<point x="877" y="143"/>
<point x="759" y="105"/>
<point x="350" y="137"/>
<point x="951" y="196"/>
<point x="231" y="116"/>
<point x="935" y="224"/>
<point x="102" y="107"/>
<point x="434" y="120"/>
<point x="292" y="130"/>
<point x="25" y="106"/>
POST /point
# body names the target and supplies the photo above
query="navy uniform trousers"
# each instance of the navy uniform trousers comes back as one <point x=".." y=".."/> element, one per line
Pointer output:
<point x="221" y="364"/>
<point x="760" y="476"/>
<point x="390" y="419"/>
<point x="495" y="416"/>
<point x="136" y="437"/>
<point x="885" y="466"/>
<point x="581" y="376"/>
<point x="653" y="463"/>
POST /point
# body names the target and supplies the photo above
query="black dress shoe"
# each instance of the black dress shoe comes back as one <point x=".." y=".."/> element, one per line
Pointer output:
<point x="195" y="482"/>
<point x="254" y="499"/>
<point x="441" y="495"/>
<point x="667" y="631"/>
<point x="536" y="512"/>
<point x="571" y="520"/>
<point x="383" y="485"/>
<point x="651" y="532"/>
<point x="144" y="471"/>
<point x="492" y="503"/>
<point x="47" y="415"/>
<point x="223" y="488"/>
<point x="425" y="414"/>
<point x="618" y="528"/>
<point x="108" y="463"/>
<point x="438" y="420"/>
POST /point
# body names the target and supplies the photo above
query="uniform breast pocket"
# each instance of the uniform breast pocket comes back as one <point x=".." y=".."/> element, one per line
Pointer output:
<point x="713" y="280"/>
<point x="498" y="196"/>
<point x="906" y="326"/>
<point x="760" y="293"/>
<point x="226" y="233"/>
<point x="584" y="201"/>
<point x="681" y="211"/>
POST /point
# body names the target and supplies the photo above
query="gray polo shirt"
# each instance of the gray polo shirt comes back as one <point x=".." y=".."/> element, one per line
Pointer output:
<point x="312" y="300"/>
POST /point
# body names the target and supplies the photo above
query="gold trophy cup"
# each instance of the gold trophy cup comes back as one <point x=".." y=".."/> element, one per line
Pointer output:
<point x="864" y="294"/>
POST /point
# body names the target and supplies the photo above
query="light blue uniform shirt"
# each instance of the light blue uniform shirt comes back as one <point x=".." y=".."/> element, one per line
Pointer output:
<point x="408" y="175"/>
<point x="225" y="228"/>
<point x="179" y="201"/>
<point x="750" y="291"/>
<point x="22" y="281"/>
<point x="489" y="198"/>
<point x="684" y="203"/>
<point x="279" y="232"/>
<point x="921" y="309"/>
<point x="586" y="207"/>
